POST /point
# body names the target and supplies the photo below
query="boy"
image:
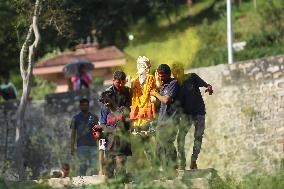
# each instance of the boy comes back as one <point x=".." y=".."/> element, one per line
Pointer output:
<point x="116" y="131"/>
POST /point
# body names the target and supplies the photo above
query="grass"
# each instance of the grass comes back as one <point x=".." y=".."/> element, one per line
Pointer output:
<point x="180" y="46"/>
<point x="163" y="42"/>
<point x="190" y="40"/>
<point x="264" y="181"/>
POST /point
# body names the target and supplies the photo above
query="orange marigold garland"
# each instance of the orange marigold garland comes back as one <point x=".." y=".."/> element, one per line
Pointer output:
<point x="142" y="109"/>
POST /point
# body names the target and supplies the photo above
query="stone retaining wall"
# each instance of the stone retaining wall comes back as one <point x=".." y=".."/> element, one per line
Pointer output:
<point x="245" y="117"/>
<point x="244" y="121"/>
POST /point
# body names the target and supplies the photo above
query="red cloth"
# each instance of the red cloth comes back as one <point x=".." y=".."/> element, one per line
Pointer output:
<point x="76" y="80"/>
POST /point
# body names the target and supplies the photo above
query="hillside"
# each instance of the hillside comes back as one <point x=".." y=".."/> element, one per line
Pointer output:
<point x="196" y="35"/>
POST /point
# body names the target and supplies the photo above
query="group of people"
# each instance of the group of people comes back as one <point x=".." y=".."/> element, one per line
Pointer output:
<point x="167" y="103"/>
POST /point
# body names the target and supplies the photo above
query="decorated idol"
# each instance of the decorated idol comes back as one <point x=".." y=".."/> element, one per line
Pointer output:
<point x="142" y="107"/>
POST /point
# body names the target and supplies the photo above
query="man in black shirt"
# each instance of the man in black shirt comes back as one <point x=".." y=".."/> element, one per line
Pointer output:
<point x="122" y="94"/>
<point x="193" y="108"/>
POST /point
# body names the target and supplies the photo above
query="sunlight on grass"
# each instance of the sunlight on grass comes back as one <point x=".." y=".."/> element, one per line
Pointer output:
<point x="185" y="11"/>
<point x="180" y="46"/>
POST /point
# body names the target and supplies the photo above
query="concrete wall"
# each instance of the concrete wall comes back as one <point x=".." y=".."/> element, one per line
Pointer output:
<point x="244" y="122"/>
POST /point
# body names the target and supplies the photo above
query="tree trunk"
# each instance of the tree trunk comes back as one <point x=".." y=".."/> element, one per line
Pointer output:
<point x="254" y="4"/>
<point x="26" y="74"/>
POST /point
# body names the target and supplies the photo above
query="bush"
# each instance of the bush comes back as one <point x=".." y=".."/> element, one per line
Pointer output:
<point x="273" y="16"/>
<point x="40" y="88"/>
<point x="262" y="39"/>
<point x="213" y="49"/>
<point x="258" y="52"/>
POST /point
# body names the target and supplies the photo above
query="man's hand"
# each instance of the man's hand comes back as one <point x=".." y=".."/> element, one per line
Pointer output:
<point x="153" y="93"/>
<point x="209" y="89"/>
<point x="158" y="80"/>
<point x="96" y="127"/>
<point x="164" y="99"/>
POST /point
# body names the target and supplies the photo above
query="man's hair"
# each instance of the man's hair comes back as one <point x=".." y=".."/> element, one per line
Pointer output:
<point x="84" y="100"/>
<point x="164" y="68"/>
<point x="105" y="95"/>
<point x="177" y="66"/>
<point x="119" y="75"/>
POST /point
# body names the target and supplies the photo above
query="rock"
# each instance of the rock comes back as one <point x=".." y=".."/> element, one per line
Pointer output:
<point x="75" y="182"/>
<point x="198" y="179"/>
<point x="10" y="175"/>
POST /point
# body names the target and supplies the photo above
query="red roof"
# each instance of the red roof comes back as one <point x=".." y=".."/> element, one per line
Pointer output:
<point x="91" y="54"/>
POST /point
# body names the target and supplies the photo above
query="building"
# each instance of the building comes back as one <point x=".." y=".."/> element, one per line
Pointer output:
<point x="104" y="60"/>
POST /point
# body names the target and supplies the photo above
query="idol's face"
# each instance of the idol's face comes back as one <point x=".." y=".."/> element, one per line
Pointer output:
<point x="142" y="68"/>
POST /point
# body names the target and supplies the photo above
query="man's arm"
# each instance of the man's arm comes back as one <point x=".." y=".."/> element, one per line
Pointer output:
<point x="171" y="93"/>
<point x="103" y="115"/>
<point x="128" y="97"/>
<point x="198" y="81"/>
<point x="164" y="99"/>
<point x="201" y="83"/>
<point x="73" y="138"/>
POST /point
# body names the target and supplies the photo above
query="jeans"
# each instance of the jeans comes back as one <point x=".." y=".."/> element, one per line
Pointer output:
<point x="184" y="125"/>
<point x="87" y="154"/>
<point x="165" y="136"/>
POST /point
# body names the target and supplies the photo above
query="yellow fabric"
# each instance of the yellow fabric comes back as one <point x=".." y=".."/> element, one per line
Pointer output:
<point x="142" y="109"/>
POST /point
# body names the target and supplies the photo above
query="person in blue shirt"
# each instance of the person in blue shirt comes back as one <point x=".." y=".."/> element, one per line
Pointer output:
<point x="166" y="130"/>
<point x="117" y="136"/>
<point x="193" y="109"/>
<point x="81" y="126"/>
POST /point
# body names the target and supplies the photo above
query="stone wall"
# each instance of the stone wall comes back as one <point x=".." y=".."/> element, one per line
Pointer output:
<point x="244" y="121"/>
<point x="46" y="130"/>
<point x="245" y="117"/>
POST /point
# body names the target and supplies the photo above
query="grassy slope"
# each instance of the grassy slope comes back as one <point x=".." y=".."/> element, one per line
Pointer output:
<point x="166" y="42"/>
<point x="187" y="35"/>
<point x="176" y="48"/>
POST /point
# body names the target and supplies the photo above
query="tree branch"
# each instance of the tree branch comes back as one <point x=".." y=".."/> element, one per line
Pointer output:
<point x="23" y="52"/>
<point x="34" y="46"/>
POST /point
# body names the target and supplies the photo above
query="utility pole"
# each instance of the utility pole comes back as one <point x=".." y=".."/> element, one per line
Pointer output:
<point x="229" y="32"/>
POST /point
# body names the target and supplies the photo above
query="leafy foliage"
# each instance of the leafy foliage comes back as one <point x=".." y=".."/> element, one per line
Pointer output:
<point x="41" y="88"/>
<point x="64" y="23"/>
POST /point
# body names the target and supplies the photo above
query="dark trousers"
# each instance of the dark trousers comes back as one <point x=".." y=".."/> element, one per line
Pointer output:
<point x="115" y="166"/>
<point x="166" y="151"/>
<point x="185" y="123"/>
